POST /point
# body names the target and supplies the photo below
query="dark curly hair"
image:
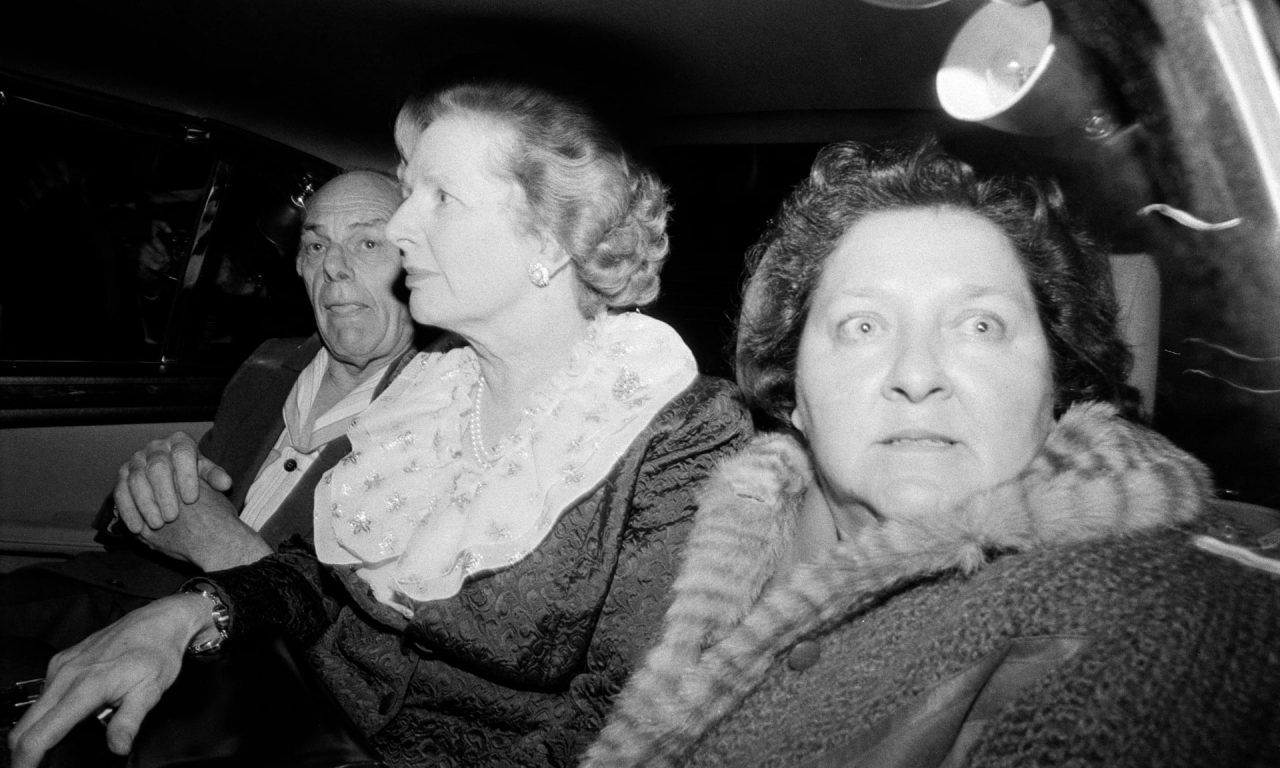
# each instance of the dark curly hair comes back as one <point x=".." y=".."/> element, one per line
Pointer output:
<point x="1070" y="276"/>
<point x="606" y="211"/>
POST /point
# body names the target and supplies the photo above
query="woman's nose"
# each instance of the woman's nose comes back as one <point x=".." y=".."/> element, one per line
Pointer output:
<point x="398" y="230"/>
<point x="918" y="371"/>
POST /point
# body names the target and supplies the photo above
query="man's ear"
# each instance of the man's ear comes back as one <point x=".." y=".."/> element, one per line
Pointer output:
<point x="297" y="265"/>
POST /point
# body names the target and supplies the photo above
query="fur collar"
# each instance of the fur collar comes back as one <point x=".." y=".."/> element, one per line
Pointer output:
<point x="1097" y="475"/>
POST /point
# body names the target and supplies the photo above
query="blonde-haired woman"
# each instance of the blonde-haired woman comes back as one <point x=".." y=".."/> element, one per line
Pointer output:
<point x="505" y="529"/>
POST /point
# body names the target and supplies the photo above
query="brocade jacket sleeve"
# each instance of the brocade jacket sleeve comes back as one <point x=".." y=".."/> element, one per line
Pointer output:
<point x="522" y="664"/>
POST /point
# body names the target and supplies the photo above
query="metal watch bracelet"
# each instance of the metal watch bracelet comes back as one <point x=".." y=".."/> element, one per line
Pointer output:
<point x="221" y="617"/>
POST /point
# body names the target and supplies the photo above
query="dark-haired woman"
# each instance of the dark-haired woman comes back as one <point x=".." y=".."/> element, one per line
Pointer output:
<point x="958" y="551"/>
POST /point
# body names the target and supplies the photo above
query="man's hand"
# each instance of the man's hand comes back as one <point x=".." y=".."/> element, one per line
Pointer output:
<point x="208" y="533"/>
<point x="153" y="483"/>
<point x="127" y="666"/>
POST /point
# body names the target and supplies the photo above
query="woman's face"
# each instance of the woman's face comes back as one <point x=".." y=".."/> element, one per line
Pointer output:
<point x="923" y="373"/>
<point x="466" y="252"/>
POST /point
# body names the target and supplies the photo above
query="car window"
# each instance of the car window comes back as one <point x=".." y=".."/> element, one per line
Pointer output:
<point x="83" y="201"/>
<point x="147" y="256"/>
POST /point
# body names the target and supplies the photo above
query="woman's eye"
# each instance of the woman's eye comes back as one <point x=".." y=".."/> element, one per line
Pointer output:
<point x="984" y="326"/>
<point x="312" y="249"/>
<point x="858" y="328"/>
<point x="370" y="245"/>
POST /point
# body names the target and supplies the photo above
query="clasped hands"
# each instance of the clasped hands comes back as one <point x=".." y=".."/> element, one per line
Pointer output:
<point x="173" y="498"/>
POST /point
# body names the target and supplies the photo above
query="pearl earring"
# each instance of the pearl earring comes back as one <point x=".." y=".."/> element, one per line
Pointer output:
<point x="539" y="275"/>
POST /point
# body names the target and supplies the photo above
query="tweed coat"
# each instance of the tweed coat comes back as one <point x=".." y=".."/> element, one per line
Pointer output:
<point x="1068" y="617"/>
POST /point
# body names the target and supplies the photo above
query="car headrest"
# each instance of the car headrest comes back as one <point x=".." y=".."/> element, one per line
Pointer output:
<point x="1137" y="283"/>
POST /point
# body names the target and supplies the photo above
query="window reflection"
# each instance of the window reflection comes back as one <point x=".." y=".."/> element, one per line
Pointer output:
<point x="101" y="223"/>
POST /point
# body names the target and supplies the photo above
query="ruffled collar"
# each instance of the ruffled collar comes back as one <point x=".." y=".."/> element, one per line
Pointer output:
<point x="413" y="508"/>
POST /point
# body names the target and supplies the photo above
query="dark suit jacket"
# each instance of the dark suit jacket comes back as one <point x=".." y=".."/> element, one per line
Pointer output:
<point x="249" y="422"/>
<point x="245" y="428"/>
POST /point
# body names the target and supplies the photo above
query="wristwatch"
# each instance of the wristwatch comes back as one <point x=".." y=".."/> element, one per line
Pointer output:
<point x="221" y="616"/>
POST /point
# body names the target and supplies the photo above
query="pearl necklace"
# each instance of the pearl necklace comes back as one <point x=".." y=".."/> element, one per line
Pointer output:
<point x="483" y="456"/>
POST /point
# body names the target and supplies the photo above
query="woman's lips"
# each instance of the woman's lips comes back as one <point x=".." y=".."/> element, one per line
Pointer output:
<point x="918" y="439"/>
<point x="414" y="278"/>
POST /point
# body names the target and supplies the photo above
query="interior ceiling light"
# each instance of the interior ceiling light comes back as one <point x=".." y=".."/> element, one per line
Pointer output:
<point x="1008" y="68"/>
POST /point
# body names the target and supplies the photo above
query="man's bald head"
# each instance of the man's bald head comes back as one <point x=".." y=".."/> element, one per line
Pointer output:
<point x="352" y="271"/>
<point x="364" y="190"/>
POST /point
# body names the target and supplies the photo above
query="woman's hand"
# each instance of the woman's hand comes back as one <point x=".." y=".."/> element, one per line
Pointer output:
<point x="153" y="484"/>
<point x="126" y="666"/>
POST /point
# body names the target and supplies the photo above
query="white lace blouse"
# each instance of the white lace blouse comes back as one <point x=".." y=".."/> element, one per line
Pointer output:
<point x="416" y="509"/>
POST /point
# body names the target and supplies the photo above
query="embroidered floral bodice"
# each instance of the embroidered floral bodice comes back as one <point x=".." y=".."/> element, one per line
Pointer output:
<point x="418" y="513"/>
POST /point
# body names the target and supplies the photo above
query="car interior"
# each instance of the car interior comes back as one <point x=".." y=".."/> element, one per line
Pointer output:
<point x="1155" y="117"/>
<point x="207" y="124"/>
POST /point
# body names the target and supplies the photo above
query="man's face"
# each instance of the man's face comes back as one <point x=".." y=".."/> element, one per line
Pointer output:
<point x="351" y="270"/>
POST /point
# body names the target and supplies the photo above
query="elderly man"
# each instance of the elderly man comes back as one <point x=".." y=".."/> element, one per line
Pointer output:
<point x="247" y="487"/>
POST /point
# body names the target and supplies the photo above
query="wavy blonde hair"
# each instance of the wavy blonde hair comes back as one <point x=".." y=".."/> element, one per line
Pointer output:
<point x="606" y="212"/>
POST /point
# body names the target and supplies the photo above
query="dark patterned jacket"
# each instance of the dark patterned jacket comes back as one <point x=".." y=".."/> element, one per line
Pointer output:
<point x="518" y="668"/>
<point x="1066" y="617"/>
